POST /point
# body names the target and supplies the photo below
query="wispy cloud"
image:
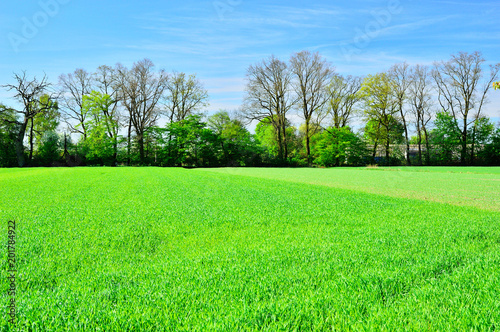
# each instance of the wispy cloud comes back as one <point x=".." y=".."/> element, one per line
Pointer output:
<point x="400" y="29"/>
<point x="225" y="84"/>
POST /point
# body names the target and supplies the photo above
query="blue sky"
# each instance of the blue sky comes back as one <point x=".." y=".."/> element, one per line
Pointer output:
<point x="219" y="39"/>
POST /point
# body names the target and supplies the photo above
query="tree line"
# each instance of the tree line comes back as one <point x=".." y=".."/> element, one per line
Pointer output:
<point x="407" y="115"/>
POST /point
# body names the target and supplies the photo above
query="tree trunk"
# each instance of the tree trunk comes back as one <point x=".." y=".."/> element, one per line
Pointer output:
<point x="226" y="157"/>
<point x="308" y="148"/>
<point x="419" y="147"/>
<point x="375" y="148"/>
<point x="473" y="144"/>
<point x="387" y="147"/>
<point x="419" y="131"/>
<point x="84" y="131"/>
<point x="128" y="140"/>
<point x="30" y="157"/>
<point x="140" y="142"/>
<point x="285" y="140"/>
<point x="376" y="141"/>
<point x="115" y="151"/>
<point x="113" y="135"/>
<point x="408" y="160"/>
<point x="427" y="147"/>
<point x="19" y="143"/>
<point x="280" y="142"/>
<point x="463" y="154"/>
<point x="388" y="135"/>
<point x="169" y="151"/>
<point x="65" y="153"/>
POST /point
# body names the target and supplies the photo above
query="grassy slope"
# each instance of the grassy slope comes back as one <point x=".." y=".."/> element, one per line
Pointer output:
<point x="175" y="249"/>
<point x="463" y="186"/>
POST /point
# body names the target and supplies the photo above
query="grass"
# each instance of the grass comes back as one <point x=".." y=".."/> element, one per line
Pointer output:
<point x="461" y="186"/>
<point x="150" y="249"/>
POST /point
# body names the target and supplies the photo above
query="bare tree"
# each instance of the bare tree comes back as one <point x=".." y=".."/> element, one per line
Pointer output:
<point x="269" y="95"/>
<point x="42" y="121"/>
<point x="185" y="95"/>
<point x="140" y="90"/>
<point x="73" y="87"/>
<point x="128" y="95"/>
<point x="420" y="99"/>
<point x="460" y="92"/>
<point x="28" y="92"/>
<point x="344" y="95"/>
<point x="312" y="76"/>
<point x="107" y="82"/>
<point x="401" y="79"/>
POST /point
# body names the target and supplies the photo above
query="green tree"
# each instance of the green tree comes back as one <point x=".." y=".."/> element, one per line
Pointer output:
<point x="236" y="143"/>
<point x="445" y="138"/>
<point x="265" y="134"/>
<point x="462" y="91"/>
<point x="380" y="109"/>
<point x="401" y="79"/>
<point x="490" y="155"/>
<point x="28" y="93"/>
<point x="338" y="147"/>
<point x="312" y="75"/>
<point x="266" y="137"/>
<point x="482" y="129"/>
<point x="270" y="95"/>
<point x="140" y="90"/>
<point x="102" y="129"/>
<point x="8" y="132"/>
<point x="190" y="143"/>
<point x="392" y="133"/>
<point x="47" y="121"/>
<point x="154" y="146"/>
<point x="42" y="123"/>
<point x="49" y="149"/>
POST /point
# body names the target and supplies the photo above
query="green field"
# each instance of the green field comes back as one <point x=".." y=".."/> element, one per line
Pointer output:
<point x="153" y="249"/>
